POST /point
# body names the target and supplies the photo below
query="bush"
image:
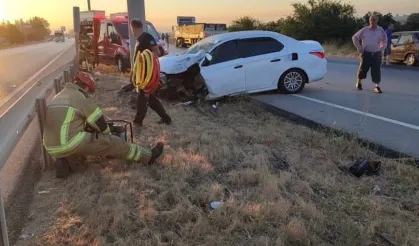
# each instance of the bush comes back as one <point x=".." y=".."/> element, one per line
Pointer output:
<point x="327" y="21"/>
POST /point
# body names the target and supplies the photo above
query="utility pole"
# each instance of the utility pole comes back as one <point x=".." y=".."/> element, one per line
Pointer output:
<point x="76" y="26"/>
<point x="136" y="10"/>
<point x="88" y="5"/>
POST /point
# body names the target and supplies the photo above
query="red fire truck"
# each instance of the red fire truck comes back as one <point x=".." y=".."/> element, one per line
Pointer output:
<point x="108" y="39"/>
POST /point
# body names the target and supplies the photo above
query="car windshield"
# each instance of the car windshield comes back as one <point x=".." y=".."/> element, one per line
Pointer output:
<point x="153" y="32"/>
<point x="205" y="45"/>
<point x="123" y="29"/>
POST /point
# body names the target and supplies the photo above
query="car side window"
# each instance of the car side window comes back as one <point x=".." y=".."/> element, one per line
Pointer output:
<point x="225" y="52"/>
<point x="103" y="33"/>
<point x="395" y="39"/>
<point x="113" y="35"/>
<point x="259" y="46"/>
<point x="404" y="39"/>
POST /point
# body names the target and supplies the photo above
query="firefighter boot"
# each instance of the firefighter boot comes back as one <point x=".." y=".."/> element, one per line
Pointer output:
<point x="62" y="168"/>
<point x="156" y="152"/>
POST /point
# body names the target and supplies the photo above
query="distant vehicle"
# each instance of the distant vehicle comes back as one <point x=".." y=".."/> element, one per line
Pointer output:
<point x="113" y="42"/>
<point x="248" y="62"/>
<point x="187" y="32"/>
<point x="185" y="20"/>
<point x="405" y="47"/>
<point x="110" y="38"/>
<point x="59" y="36"/>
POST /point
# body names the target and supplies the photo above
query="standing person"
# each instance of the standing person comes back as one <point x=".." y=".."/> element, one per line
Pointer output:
<point x="167" y="39"/>
<point x="146" y="41"/>
<point x="374" y="39"/>
<point x="387" y="51"/>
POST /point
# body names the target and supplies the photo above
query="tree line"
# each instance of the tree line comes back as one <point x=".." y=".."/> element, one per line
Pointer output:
<point x="324" y="21"/>
<point x="17" y="33"/>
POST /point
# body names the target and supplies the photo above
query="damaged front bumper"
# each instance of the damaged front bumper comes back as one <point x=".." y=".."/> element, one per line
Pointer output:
<point x="185" y="86"/>
<point x="181" y="78"/>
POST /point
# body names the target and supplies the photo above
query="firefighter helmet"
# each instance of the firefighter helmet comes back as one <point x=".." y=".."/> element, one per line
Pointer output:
<point x="87" y="80"/>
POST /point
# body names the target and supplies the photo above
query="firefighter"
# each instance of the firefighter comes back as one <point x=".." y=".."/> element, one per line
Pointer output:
<point x="146" y="99"/>
<point x="76" y="127"/>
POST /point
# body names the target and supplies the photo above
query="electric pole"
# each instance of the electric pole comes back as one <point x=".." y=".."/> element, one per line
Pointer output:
<point x="88" y="5"/>
<point x="136" y="10"/>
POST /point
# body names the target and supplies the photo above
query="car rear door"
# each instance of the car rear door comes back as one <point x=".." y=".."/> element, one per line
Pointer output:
<point x="224" y="74"/>
<point x="400" y="48"/>
<point x="264" y="62"/>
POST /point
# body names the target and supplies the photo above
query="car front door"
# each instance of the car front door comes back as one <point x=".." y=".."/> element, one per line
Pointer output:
<point x="113" y="43"/>
<point x="399" y="49"/>
<point x="264" y="62"/>
<point x="102" y="43"/>
<point x="224" y="74"/>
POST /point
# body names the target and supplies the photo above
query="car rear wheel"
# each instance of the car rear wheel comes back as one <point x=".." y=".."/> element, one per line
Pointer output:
<point x="410" y="60"/>
<point x="180" y="42"/>
<point x="292" y="81"/>
<point x="121" y="65"/>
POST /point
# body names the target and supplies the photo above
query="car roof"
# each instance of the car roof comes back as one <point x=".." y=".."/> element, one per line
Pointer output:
<point x="406" y="32"/>
<point x="246" y="34"/>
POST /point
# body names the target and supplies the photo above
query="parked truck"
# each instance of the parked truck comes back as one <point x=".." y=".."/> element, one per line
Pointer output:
<point x="105" y="40"/>
<point x="59" y="36"/>
<point x="187" y="32"/>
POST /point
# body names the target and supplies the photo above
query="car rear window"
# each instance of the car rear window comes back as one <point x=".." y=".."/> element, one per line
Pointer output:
<point x="259" y="46"/>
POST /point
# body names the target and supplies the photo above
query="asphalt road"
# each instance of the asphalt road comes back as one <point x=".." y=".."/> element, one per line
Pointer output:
<point x="21" y="63"/>
<point x="390" y="119"/>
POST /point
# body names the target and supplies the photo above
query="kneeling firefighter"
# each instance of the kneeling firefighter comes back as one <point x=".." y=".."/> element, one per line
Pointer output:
<point x="76" y="127"/>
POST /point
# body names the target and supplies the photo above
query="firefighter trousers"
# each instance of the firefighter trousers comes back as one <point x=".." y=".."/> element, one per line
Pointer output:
<point x="145" y="101"/>
<point x="111" y="146"/>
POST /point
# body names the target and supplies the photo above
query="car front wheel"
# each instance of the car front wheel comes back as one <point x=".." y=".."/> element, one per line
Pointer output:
<point x="121" y="66"/>
<point x="410" y="60"/>
<point x="292" y="81"/>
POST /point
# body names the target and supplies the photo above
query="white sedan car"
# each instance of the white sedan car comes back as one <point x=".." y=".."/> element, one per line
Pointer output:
<point x="251" y="61"/>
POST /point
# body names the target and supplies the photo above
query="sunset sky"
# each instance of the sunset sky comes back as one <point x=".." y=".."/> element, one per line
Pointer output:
<point x="162" y="13"/>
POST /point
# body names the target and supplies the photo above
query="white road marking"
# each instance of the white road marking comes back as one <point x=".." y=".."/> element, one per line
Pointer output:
<point x="24" y="84"/>
<point x="400" y="123"/>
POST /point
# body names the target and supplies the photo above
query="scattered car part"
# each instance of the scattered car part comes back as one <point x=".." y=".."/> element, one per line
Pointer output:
<point x="362" y="167"/>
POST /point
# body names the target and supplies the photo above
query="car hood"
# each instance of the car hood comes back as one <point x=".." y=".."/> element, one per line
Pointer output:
<point x="180" y="63"/>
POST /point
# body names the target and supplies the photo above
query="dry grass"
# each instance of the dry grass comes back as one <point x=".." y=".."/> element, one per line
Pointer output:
<point x="335" y="49"/>
<point x="280" y="182"/>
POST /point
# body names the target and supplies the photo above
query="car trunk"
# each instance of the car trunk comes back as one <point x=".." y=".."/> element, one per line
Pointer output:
<point x="311" y="46"/>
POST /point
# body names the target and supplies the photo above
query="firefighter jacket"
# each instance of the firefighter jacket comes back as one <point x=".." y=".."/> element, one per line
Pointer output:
<point x="69" y="114"/>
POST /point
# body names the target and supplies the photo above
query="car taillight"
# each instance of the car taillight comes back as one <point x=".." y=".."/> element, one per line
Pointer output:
<point x="319" y="54"/>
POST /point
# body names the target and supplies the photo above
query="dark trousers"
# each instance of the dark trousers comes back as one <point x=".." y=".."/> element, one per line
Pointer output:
<point x="145" y="101"/>
<point x="370" y="60"/>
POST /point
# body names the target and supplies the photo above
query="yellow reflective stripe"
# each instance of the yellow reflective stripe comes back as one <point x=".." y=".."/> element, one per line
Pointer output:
<point x="66" y="125"/>
<point x="94" y="116"/>
<point x="69" y="146"/>
<point x="138" y="155"/>
<point x="107" y="130"/>
<point x="150" y="67"/>
<point x="131" y="152"/>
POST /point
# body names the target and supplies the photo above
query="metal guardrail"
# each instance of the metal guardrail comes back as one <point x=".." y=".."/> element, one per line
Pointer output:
<point x="17" y="117"/>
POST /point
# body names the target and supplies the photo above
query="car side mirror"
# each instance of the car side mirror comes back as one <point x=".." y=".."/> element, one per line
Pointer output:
<point x="208" y="57"/>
